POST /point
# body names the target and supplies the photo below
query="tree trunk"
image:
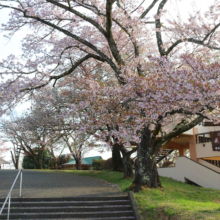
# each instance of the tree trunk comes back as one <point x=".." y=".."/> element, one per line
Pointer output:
<point x="38" y="164"/>
<point x="128" y="172"/>
<point x="15" y="159"/>
<point x="40" y="161"/>
<point x="78" y="163"/>
<point x="117" y="162"/>
<point x="127" y="162"/>
<point x="146" y="175"/>
<point x="36" y="159"/>
<point x="55" y="164"/>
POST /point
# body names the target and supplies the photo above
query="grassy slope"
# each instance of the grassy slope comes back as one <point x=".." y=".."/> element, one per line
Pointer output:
<point x="177" y="201"/>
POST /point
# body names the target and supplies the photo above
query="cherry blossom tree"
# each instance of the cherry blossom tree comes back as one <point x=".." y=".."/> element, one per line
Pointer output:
<point x="15" y="152"/>
<point x="30" y="145"/>
<point x="162" y="70"/>
<point x="31" y="134"/>
<point x="78" y="146"/>
<point x="3" y="149"/>
<point x="11" y="139"/>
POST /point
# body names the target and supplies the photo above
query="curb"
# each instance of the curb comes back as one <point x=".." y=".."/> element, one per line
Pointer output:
<point x="134" y="205"/>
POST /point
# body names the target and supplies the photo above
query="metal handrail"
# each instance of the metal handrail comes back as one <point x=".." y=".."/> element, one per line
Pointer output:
<point x="8" y="198"/>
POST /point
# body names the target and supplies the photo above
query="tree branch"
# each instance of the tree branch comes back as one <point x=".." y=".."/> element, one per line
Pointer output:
<point x="11" y="7"/>
<point x="136" y="48"/>
<point x="109" y="35"/>
<point x="158" y="27"/>
<point x="179" y="129"/>
<point x="91" y="21"/>
<point x="86" y="43"/>
<point x="192" y="41"/>
<point x="148" y="9"/>
<point x="76" y="64"/>
<point x="138" y="7"/>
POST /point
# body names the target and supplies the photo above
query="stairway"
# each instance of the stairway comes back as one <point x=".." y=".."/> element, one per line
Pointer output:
<point x="162" y="154"/>
<point x="188" y="170"/>
<point x="102" y="208"/>
<point x="213" y="162"/>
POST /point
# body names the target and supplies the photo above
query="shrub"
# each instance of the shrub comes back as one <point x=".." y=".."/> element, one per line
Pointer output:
<point x="98" y="164"/>
<point x="108" y="164"/>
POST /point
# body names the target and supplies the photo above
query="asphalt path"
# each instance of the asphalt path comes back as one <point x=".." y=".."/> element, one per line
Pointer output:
<point x="42" y="184"/>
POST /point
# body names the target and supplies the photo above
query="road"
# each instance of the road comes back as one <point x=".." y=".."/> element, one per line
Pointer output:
<point x="41" y="184"/>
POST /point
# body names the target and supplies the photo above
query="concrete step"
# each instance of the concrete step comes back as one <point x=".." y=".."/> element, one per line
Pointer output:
<point x="66" y="203"/>
<point x="68" y="209"/>
<point x="96" y="198"/>
<point x="103" y="208"/>
<point x="107" y="218"/>
<point x="68" y="215"/>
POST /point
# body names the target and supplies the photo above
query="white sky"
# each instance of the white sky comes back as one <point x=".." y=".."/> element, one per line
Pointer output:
<point x="13" y="45"/>
<point x="9" y="46"/>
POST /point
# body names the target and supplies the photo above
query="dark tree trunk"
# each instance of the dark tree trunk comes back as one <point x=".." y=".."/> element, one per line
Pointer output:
<point x="78" y="159"/>
<point x="77" y="164"/>
<point x="117" y="162"/>
<point x="127" y="162"/>
<point x="146" y="175"/>
<point x="55" y="163"/>
<point x="38" y="164"/>
<point x="15" y="159"/>
<point x="40" y="159"/>
<point x="41" y="163"/>
<point x="128" y="172"/>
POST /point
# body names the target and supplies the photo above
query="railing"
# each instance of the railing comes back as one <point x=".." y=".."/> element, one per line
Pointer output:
<point x="214" y="162"/>
<point x="201" y="138"/>
<point x="8" y="198"/>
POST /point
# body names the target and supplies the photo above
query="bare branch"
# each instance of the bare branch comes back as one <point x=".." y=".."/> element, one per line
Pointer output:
<point x="136" y="48"/>
<point x="11" y="7"/>
<point x="91" y="21"/>
<point x="88" y="44"/>
<point x="109" y="36"/>
<point x="179" y="129"/>
<point x="138" y="7"/>
<point x="158" y="27"/>
<point x="192" y="40"/>
<point x="76" y="64"/>
<point x="149" y="22"/>
<point x="148" y="9"/>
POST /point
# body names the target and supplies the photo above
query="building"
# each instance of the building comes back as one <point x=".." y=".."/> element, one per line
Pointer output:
<point x="203" y="166"/>
<point x="86" y="163"/>
<point x="3" y="162"/>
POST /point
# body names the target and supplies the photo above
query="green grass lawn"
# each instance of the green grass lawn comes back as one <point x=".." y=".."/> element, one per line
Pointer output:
<point x="176" y="201"/>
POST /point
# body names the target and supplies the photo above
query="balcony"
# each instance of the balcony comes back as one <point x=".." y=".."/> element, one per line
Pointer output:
<point x="204" y="147"/>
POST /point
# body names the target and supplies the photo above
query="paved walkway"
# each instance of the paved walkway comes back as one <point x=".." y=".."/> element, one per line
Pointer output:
<point x="41" y="184"/>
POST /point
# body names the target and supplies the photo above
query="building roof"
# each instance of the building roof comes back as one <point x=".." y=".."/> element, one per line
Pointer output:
<point x="4" y="161"/>
<point x="85" y="161"/>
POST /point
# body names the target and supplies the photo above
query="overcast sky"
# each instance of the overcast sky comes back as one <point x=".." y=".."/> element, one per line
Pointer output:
<point x="13" y="45"/>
